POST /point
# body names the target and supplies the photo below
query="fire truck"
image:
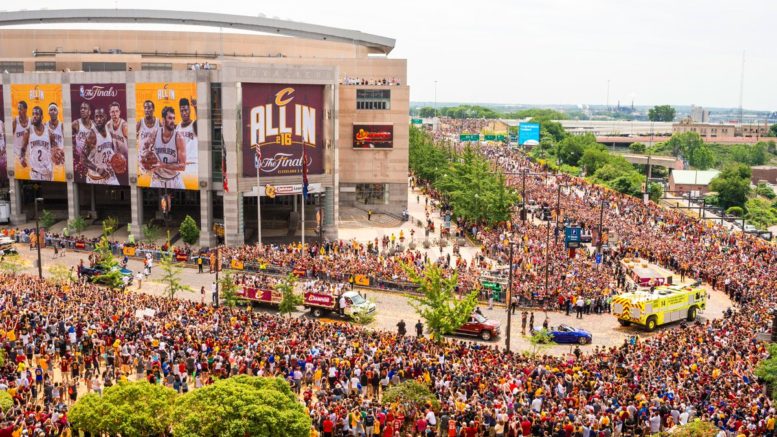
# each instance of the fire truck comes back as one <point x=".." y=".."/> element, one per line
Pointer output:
<point x="666" y="304"/>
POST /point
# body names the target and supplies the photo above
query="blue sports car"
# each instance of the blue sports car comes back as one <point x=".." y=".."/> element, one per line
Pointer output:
<point x="567" y="334"/>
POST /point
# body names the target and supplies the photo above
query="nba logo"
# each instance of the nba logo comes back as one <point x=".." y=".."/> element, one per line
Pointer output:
<point x="81" y="91"/>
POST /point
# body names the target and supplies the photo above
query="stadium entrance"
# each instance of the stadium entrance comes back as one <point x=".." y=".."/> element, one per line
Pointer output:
<point x="166" y="209"/>
<point x="282" y="214"/>
<point x="54" y="195"/>
<point x="98" y="202"/>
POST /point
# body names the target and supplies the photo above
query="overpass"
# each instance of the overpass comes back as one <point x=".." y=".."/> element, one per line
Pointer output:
<point x="648" y="140"/>
<point x="377" y="44"/>
<point x="664" y="161"/>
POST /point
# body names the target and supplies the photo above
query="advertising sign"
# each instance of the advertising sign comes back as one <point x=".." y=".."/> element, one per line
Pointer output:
<point x="167" y="135"/>
<point x="529" y="132"/>
<point x="373" y="136"/>
<point x="100" y="146"/>
<point x="36" y="131"/>
<point x="572" y="237"/>
<point x="3" y="154"/>
<point x="280" y="120"/>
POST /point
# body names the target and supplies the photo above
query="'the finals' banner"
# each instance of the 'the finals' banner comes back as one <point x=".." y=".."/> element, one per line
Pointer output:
<point x="167" y="135"/>
<point x="99" y="133"/>
<point x="36" y="131"/>
<point x="281" y="120"/>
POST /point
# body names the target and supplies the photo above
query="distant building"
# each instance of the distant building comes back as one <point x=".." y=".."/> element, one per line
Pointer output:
<point x="699" y="114"/>
<point x="705" y="130"/>
<point x="685" y="181"/>
<point x="764" y="173"/>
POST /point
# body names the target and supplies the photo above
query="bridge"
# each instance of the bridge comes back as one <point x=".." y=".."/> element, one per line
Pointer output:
<point x="647" y="140"/>
<point x="378" y="44"/>
<point x="663" y="161"/>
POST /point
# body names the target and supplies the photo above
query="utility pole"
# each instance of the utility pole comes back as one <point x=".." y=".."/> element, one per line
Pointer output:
<point x="647" y="182"/>
<point x="523" y="196"/>
<point x="37" y="237"/>
<point x="547" y="254"/>
<point x="509" y="299"/>
<point x="558" y="211"/>
<point x="601" y="229"/>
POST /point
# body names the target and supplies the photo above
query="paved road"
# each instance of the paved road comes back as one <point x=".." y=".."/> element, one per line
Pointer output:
<point x="392" y="307"/>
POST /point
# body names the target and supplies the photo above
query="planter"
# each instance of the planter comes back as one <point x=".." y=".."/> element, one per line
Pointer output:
<point x="427" y="244"/>
<point x="412" y="246"/>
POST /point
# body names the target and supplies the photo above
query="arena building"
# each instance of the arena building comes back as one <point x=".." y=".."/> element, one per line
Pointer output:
<point x="149" y="125"/>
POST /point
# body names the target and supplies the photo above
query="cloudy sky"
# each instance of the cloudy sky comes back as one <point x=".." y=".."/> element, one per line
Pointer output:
<point x="550" y="51"/>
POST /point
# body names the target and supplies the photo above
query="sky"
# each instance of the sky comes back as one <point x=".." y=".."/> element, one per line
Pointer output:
<point x="678" y="52"/>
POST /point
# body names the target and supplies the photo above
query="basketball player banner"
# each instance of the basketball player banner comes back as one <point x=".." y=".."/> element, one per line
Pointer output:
<point x="36" y="130"/>
<point x="100" y="146"/>
<point x="281" y="120"/>
<point x="167" y="135"/>
<point x="3" y="153"/>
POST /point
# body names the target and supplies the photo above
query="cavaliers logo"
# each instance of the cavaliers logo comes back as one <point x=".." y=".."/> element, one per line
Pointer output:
<point x="36" y="93"/>
<point x="165" y="93"/>
<point x="283" y="97"/>
<point x="270" y="191"/>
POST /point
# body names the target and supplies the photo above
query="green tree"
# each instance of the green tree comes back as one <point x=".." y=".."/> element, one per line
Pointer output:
<point x="683" y="143"/>
<point x="696" y="428"/>
<point x="661" y="113"/>
<point x="77" y="225"/>
<point x="289" y="299"/>
<point x="413" y="393"/>
<point x="767" y="369"/>
<point x="732" y="185"/>
<point x="437" y="302"/>
<point x="539" y="340"/>
<point x="127" y="408"/>
<point x="111" y="275"/>
<point x="765" y="191"/>
<point x="701" y="157"/>
<point x="655" y="191"/>
<point x="637" y="147"/>
<point x="110" y="225"/>
<point x="171" y="276"/>
<point x="759" y="153"/>
<point x="150" y="232"/>
<point x="47" y="219"/>
<point x="241" y="406"/>
<point x="13" y="263"/>
<point x="760" y="213"/>
<point x="593" y="159"/>
<point x="552" y="130"/>
<point x="228" y="289"/>
<point x="571" y="148"/>
<point x="735" y="210"/>
<point x="190" y="233"/>
<point x="772" y="131"/>
<point x="427" y="112"/>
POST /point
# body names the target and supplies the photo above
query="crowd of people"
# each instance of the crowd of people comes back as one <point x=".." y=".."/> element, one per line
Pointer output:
<point x="61" y="342"/>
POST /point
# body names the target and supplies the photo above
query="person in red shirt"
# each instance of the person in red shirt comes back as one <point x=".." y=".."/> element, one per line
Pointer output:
<point x="525" y="426"/>
<point x="388" y="431"/>
<point x="329" y="427"/>
<point x="471" y="430"/>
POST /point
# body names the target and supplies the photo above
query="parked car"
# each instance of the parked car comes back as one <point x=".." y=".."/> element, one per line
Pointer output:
<point x="7" y="245"/>
<point x="480" y="326"/>
<point x="568" y="334"/>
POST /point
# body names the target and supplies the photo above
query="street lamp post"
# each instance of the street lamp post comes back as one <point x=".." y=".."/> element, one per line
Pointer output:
<point x="601" y="223"/>
<point x="509" y="299"/>
<point x="558" y="211"/>
<point x="37" y="236"/>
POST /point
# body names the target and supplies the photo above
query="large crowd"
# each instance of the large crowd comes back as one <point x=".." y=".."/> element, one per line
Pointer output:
<point x="702" y="371"/>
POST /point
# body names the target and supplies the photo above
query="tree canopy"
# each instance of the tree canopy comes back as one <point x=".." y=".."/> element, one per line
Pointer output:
<point x="661" y="113"/>
<point x="437" y="302"/>
<point x="732" y="185"/>
<point x="127" y="408"/>
<point x="241" y="406"/>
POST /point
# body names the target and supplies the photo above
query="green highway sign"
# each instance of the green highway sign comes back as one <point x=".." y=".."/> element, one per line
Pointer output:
<point x="469" y="137"/>
<point x="416" y="121"/>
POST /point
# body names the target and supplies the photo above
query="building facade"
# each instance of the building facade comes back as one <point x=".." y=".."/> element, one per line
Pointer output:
<point x="319" y="106"/>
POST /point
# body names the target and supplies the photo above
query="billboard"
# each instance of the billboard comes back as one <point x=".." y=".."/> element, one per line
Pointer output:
<point x="3" y="155"/>
<point x="36" y="131"/>
<point x="100" y="146"/>
<point x="529" y="132"/>
<point x="373" y="136"/>
<point x="280" y="120"/>
<point x="167" y="135"/>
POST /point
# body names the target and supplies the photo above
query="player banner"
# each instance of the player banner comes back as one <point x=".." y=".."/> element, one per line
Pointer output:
<point x="100" y="146"/>
<point x="373" y="136"/>
<point x="167" y="135"/>
<point x="3" y="154"/>
<point x="281" y="120"/>
<point x="36" y="131"/>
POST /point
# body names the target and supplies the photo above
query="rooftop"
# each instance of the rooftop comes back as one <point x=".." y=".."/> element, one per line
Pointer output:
<point x="693" y="177"/>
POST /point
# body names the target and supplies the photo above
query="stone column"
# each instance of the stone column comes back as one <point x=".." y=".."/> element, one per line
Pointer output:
<point x="136" y="200"/>
<point x="204" y="159"/>
<point x="18" y="216"/>
<point x="234" y="227"/>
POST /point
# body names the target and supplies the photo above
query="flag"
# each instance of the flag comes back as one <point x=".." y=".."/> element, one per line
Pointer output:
<point x="224" y="169"/>
<point x="304" y="173"/>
